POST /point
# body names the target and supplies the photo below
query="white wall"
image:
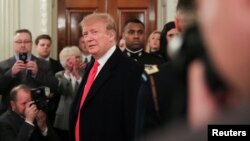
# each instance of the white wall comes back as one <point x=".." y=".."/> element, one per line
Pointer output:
<point x="166" y="11"/>
<point x="9" y="22"/>
<point x="35" y="15"/>
<point x="171" y="9"/>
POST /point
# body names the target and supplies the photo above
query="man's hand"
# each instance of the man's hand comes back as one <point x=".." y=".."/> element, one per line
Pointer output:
<point x="32" y="65"/>
<point x="30" y="111"/>
<point x="17" y="67"/>
<point x="41" y="120"/>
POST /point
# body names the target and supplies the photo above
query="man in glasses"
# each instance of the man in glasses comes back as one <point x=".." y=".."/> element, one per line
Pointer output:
<point x="24" y="68"/>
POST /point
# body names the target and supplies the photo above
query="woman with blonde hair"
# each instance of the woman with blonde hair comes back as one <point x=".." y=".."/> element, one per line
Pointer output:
<point x="69" y="80"/>
<point x="153" y="44"/>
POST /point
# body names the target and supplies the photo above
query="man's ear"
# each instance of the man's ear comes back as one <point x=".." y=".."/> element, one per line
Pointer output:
<point x="203" y="105"/>
<point x="178" y="24"/>
<point x="112" y="34"/>
<point x="12" y="104"/>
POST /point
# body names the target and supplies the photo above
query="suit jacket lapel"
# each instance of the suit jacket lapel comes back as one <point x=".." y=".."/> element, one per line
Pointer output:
<point x="12" y="61"/>
<point x="100" y="79"/>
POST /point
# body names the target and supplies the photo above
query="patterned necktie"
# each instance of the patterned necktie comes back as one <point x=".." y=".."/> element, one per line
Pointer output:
<point x="87" y="87"/>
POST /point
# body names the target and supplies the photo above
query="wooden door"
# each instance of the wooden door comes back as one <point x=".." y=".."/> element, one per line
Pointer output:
<point x="71" y="12"/>
<point x="144" y="10"/>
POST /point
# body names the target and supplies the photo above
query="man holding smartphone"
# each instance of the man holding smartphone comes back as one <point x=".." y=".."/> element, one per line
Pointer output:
<point x="24" y="68"/>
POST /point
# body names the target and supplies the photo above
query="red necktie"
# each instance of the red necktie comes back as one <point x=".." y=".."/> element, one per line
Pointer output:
<point x="88" y="84"/>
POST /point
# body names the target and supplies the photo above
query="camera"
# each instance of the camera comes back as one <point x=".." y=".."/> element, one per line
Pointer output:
<point x="40" y="96"/>
<point x="23" y="56"/>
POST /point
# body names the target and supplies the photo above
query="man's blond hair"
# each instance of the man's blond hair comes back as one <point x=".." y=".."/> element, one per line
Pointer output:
<point x="105" y="17"/>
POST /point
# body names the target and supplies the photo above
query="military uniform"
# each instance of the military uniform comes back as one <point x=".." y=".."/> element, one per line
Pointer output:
<point x="143" y="58"/>
<point x="159" y="100"/>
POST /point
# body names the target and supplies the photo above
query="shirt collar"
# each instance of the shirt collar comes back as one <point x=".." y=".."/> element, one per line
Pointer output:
<point x="106" y="56"/>
<point x="88" y="57"/>
<point x="134" y="52"/>
<point x="47" y="59"/>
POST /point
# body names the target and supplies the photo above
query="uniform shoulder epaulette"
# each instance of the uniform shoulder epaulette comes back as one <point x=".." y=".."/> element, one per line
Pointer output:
<point x="151" y="69"/>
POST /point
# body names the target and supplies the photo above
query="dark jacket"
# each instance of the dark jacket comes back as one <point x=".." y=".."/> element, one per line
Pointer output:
<point x="109" y="111"/>
<point x="44" y="77"/>
<point x="14" y="128"/>
<point x="144" y="58"/>
<point x="55" y="65"/>
<point x="168" y="104"/>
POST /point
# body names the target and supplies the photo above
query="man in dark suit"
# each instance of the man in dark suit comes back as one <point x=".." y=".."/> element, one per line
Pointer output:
<point x="43" y="46"/>
<point x="133" y="34"/>
<point x="24" y="68"/>
<point x="109" y="110"/>
<point x="24" y="121"/>
<point x="86" y="56"/>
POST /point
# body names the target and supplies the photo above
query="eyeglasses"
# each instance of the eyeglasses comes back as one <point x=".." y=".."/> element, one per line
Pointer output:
<point x="23" y="42"/>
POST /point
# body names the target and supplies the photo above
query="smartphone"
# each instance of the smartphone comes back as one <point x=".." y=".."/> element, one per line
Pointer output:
<point x="23" y="56"/>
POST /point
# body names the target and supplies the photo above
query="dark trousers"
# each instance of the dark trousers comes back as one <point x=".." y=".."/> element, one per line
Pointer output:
<point x="63" y="134"/>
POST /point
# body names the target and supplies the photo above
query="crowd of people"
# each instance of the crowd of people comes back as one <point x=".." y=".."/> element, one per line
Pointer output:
<point x="193" y="73"/>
